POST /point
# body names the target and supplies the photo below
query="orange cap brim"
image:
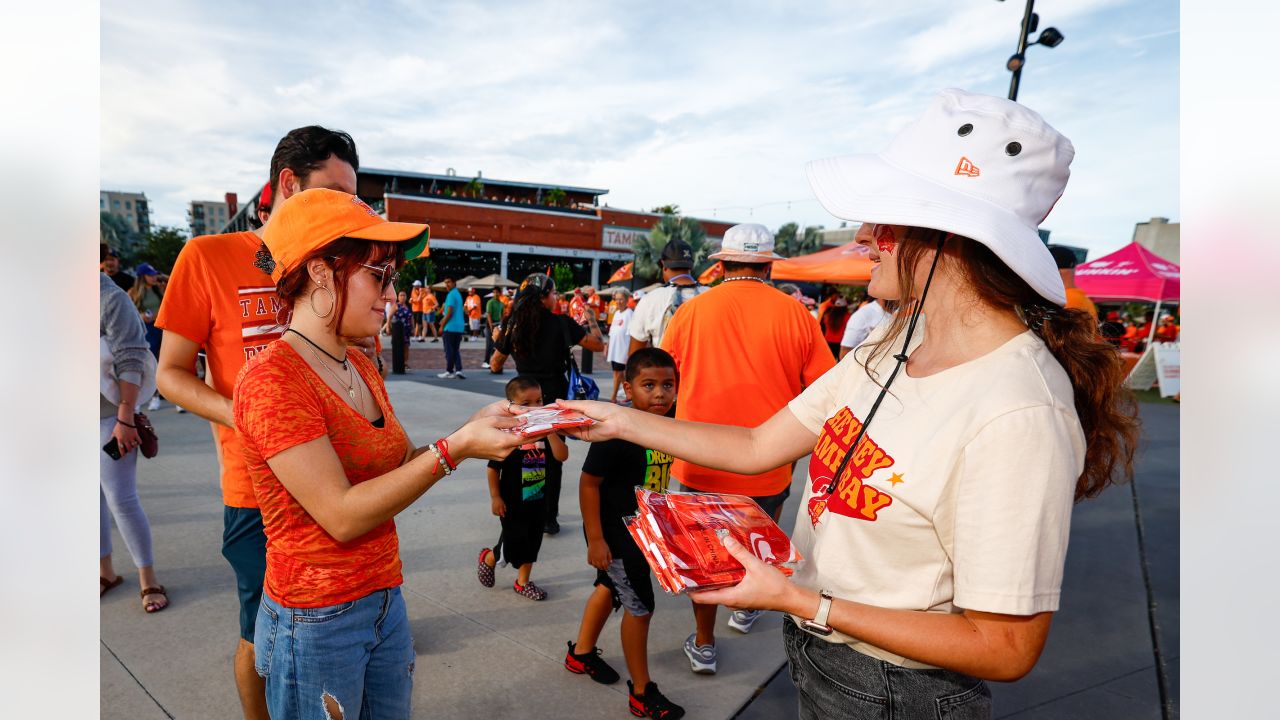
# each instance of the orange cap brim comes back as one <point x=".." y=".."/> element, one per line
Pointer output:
<point x="413" y="236"/>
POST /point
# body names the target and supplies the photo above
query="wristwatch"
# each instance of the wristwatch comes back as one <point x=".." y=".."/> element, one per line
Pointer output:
<point x="818" y="625"/>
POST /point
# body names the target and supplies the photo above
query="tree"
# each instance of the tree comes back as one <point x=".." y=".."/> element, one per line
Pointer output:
<point x="116" y="233"/>
<point x="562" y="274"/>
<point x="420" y="268"/>
<point x="672" y="209"/>
<point x="161" y="247"/>
<point x="790" y="242"/>
<point x="474" y="188"/>
<point x="671" y="227"/>
<point x="555" y="197"/>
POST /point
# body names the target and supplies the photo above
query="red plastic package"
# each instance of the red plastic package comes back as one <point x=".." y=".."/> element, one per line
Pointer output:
<point x="546" y="419"/>
<point x="680" y="536"/>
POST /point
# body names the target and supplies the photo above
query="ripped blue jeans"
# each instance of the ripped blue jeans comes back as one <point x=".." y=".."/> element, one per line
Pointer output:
<point x="353" y="660"/>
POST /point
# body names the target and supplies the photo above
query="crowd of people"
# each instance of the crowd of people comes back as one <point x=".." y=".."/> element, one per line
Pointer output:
<point x="1006" y="408"/>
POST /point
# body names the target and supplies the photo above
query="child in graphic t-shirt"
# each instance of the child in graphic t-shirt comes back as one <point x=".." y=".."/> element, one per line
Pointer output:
<point x="517" y="496"/>
<point x="610" y="474"/>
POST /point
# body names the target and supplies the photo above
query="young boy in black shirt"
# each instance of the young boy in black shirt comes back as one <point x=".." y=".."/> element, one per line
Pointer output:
<point x="517" y="494"/>
<point x="610" y="474"/>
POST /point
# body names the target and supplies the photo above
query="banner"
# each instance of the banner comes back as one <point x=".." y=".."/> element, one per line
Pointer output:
<point x="1168" y="368"/>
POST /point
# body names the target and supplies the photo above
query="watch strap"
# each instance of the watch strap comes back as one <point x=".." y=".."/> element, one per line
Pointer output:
<point x="824" y="608"/>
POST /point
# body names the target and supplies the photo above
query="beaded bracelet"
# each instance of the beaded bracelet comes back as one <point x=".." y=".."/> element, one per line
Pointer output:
<point x="440" y="461"/>
<point x="135" y="427"/>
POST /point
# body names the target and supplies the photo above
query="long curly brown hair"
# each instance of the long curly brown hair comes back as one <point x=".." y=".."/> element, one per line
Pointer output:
<point x="1107" y="410"/>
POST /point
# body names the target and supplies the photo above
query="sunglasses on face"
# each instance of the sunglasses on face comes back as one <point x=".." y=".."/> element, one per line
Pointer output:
<point x="387" y="274"/>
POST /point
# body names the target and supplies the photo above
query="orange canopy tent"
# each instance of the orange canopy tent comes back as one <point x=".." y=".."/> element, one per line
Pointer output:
<point x="844" y="265"/>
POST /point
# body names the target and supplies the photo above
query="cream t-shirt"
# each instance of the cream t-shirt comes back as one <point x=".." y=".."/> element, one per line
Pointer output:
<point x="958" y="497"/>
<point x="646" y="324"/>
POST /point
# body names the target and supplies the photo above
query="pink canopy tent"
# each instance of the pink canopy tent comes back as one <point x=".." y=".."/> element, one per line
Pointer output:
<point x="845" y="265"/>
<point x="1130" y="273"/>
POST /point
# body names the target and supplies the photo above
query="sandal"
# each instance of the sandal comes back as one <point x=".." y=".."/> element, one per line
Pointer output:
<point x="107" y="585"/>
<point x="154" y="607"/>
<point x="483" y="572"/>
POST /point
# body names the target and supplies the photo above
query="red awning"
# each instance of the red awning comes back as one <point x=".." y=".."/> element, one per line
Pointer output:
<point x="844" y="265"/>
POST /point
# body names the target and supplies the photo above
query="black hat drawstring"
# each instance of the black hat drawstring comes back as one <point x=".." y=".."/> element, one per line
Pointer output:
<point x="901" y="359"/>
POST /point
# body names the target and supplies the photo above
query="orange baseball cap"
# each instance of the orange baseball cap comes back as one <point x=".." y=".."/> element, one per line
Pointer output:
<point x="314" y="218"/>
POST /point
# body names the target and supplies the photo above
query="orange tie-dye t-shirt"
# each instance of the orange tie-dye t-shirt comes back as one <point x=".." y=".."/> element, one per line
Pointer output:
<point x="280" y="402"/>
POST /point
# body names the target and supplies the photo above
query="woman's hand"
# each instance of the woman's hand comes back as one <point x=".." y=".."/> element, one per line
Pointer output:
<point x="499" y="409"/>
<point x="598" y="555"/>
<point x="763" y="588"/>
<point x="126" y="437"/>
<point x="610" y="419"/>
<point x="488" y="436"/>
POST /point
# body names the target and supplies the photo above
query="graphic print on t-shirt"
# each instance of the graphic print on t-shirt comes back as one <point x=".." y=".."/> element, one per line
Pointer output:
<point x="852" y="498"/>
<point x="259" y="307"/>
<point x="533" y="473"/>
<point x="657" y="470"/>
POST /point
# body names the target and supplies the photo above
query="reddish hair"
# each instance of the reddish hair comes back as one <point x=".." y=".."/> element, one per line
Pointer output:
<point x="345" y="256"/>
<point x="1107" y="409"/>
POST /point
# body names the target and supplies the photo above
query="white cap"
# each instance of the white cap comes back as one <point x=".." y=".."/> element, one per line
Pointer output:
<point x="982" y="167"/>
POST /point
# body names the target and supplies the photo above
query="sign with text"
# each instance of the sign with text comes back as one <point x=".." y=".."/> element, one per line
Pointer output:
<point x="1168" y="368"/>
<point x="620" y="238"/>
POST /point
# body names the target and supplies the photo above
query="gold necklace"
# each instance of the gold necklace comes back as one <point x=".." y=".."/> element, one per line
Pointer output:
<point x="350" y="383"/>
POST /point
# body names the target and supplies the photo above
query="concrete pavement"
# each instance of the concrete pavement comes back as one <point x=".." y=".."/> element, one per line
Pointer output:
<point x="491" y="653"/>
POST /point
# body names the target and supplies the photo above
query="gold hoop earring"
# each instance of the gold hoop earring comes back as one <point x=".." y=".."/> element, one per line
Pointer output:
<point x="333" y="302"/>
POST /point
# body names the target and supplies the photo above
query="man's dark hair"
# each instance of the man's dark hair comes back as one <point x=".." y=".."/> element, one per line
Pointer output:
<point x="1062" y="257"/>
<point x="305" y="149"/>
<point x="521" y="382"/>
<point x="731" y="266"/>
<point x="649" y="357"/>
<point x="103" y="252"/>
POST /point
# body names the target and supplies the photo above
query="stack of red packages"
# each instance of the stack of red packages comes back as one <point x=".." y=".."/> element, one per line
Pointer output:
<point x="546" y="419"/>
<point x="680" y="536"/>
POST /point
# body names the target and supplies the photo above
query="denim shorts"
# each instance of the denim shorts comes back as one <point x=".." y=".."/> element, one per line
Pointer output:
<point x="834" y="680"/>
<point x="244" y="545"/>
<point x="359" y="653"/>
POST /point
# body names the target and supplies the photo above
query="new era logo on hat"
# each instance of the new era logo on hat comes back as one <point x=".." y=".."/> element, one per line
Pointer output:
<point x="929" y="177"/>
<point x="749" y="243"/>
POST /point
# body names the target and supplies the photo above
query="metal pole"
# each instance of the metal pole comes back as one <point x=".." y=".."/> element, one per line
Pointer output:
<point x="1022" y="49"/>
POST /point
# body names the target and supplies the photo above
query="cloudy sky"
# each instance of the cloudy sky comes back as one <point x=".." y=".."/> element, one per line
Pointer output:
<point x="714" y="106"/>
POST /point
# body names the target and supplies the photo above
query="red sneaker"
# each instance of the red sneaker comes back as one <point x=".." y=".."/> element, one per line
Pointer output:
<point x="653" y="704"/>
<point x="591" y="665"/>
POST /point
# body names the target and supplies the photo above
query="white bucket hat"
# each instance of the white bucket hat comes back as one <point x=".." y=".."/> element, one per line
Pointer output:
<point x="982" y="167"/>
<point x="747" y="243"/>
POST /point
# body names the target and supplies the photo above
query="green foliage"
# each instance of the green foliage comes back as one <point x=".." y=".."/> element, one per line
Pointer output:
<point x="671" y="209"/>
<point x="555" y="197"/>
<point x="562" y="274"/>
<point x="422" y="268"/>
<point x="670" y="227"/>
<point x="115" y="232"/>
<point x="790" y="242"/>
<point x="474" y="188"/>
<point x="161" y="247"/>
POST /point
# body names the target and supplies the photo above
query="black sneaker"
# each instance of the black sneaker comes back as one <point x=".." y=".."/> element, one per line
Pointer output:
<point x="653" y="704"/>
<point x="551" y="527"/>
<point x="591" y="665"/>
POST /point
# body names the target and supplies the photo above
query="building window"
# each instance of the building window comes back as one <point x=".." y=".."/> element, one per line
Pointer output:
<point x="128" y="205"/>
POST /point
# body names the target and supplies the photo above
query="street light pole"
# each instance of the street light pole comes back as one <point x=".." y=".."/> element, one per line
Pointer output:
<point x="1022" y="49"/>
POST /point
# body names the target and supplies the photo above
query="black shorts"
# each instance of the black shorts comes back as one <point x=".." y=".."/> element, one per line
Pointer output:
<point x="244" y="545"/>
<point x="617" y="367"/>
<point x="417" y="316"/>
<point x="631" y="584"/>
<point x="521" y="537"/>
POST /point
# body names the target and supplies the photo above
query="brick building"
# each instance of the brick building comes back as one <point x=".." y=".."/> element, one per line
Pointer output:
<point x="481" y="226"/>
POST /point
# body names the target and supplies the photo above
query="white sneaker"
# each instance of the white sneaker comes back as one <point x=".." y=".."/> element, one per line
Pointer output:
<point x="742" y="620"/>
<point x="702" y="658"/>
<point x="459" y="376"/>
<point x="446" y="376"/>
<point x="154" y="404"/>
<point x="180" y="408"/>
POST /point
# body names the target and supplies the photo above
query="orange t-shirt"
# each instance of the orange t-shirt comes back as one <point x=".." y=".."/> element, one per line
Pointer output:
<point x="415" y="299"/>
<point x="219" y="300"/>
<point x="472" y="305"/>
<point x="1077" y="300"/>
<point x="743" y="350"/>
<point x="280" y="403"/>
<point x="429" y="302"/>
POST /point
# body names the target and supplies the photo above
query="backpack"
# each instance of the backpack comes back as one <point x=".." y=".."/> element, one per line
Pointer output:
<point x="677" y="299"/>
